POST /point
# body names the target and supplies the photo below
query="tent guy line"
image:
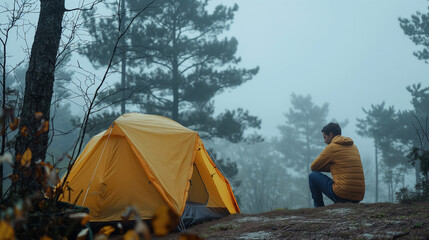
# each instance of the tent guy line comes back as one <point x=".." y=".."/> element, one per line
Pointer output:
<point x="95" y="170"/>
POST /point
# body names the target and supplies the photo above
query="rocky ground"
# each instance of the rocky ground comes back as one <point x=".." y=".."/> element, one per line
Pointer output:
<point x="338" y="221"/>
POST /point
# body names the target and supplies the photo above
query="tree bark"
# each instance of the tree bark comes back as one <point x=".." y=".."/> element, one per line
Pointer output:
<point x="39" y="82"/>
<point x="175" y="86"/>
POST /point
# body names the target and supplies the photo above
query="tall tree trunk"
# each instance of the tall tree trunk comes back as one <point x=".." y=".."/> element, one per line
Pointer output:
<point x="307" y="167"/>
<point x="175" y="85"/>
<point x="376" y="172"/>
<point x="39" y="82"/>
<point x="418" y="172"/>
<point x="389" y="190"/>
<point x="123" y="82"/>
<point x="1" y="165"/>
<point x="391" y="187"/>
<point x="176" y="79"/>
<point x="3" y="147"/>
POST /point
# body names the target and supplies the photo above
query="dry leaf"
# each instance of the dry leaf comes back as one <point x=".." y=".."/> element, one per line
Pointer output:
<point x="38" y="115"/>
<point x="49" y="192"/>
<point x="164" y="221"/>
<point x="26" y="158"/>
<point x="6" y="231"/>
<point x="106" y="230"/>
<point x="83" y="217"/>
<point x="24" y="131"/>
<point x="17" y="210"/>
<point x="44" y="127"/>
<point x="14" y="124"/>
<point x="85" y="220"/>
<point x="82" y="234"/>
<point x="131" y="235"/>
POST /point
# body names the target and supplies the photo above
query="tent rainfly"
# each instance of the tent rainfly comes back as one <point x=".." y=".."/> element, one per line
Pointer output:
<point x="147" y="161"/>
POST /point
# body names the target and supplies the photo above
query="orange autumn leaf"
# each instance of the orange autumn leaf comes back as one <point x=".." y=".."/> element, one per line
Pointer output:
<point x="85" y="220"/>
<point x="106" y="230"/>
<point x="14" y="124"/>
<point x="164" y="220"/>
<point x="17" y="211"/>
<point x="49" y="193"/>
<point x="24" y="131"/>
<point x="44" y="127"/>
<point x="6" y="231"/>
<point x="38" y="115"/>
<point x="26" y="158"/>
<point x="131" y="235"/>
<point x="83" y="217"/>
<point x="45" y="237"/>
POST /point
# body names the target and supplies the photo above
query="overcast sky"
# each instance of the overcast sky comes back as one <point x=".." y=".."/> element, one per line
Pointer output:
<point x="350" y="54"/>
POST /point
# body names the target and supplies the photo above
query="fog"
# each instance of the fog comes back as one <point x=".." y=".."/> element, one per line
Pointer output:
<point x="349" y="54"/>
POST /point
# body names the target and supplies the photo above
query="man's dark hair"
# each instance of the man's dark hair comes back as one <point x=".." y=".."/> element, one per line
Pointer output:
<point x="333" y="128"/>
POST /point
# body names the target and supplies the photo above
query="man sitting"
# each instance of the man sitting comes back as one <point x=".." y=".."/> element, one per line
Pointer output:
<point x="341" y="158"/>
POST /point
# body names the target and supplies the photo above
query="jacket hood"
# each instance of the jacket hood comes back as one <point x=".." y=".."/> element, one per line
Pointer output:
<point x="342" y="140"/>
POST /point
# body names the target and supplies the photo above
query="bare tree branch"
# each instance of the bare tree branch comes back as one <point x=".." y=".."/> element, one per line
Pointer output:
<point x="78" y="146"/>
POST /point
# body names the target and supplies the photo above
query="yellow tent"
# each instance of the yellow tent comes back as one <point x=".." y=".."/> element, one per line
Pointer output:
<point x="146" y="161"/>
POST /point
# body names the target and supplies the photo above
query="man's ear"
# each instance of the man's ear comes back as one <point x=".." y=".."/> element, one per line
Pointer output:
<point x="331" y="134"/>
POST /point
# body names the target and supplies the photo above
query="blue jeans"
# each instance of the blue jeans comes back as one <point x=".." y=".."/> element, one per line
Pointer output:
<point x="320" y="183"/>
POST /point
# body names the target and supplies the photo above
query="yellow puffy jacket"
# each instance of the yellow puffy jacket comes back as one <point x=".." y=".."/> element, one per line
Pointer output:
<point x="341" y="158"/>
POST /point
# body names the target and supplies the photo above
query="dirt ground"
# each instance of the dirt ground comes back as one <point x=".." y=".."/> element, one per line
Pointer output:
<point x="338" y="221"/>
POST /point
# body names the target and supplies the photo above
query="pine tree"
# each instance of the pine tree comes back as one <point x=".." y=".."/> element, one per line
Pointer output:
<point x="301" y="138"/>
<point x="178" y="63"/>
<point x="378" y="124"/>
<point x="417" y="122"/>
<point x="416" y="28"/>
